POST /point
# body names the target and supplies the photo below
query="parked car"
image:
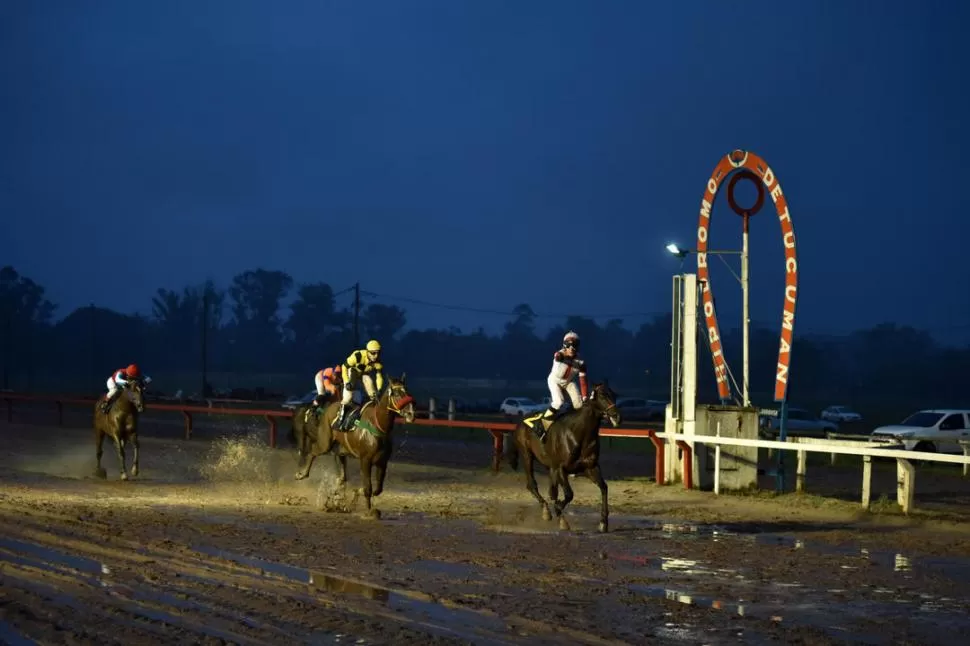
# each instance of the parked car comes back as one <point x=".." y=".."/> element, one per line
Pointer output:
<point x="516" y="406"/>
<point x="935" y="430"/>
<point x="840" y="414"/>
<point x="638" y="408"/>
<point x="293" y="402"/>
<point x="800" y="422"/>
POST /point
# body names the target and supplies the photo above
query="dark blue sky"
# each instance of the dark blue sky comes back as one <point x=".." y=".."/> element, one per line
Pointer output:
<point x="486" y="153"/>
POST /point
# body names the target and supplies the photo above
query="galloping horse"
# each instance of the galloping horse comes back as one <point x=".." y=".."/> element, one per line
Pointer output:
<point x="369" y="440"/>
<point x="120" y="423"/>
<point x="572" y="446"/>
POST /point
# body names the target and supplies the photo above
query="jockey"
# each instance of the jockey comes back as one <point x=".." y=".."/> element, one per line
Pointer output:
<point x="566" y="364"/>
<point x="359" y="367"/>
<point x="118" y="380"/>
<point x="327" y="382"/>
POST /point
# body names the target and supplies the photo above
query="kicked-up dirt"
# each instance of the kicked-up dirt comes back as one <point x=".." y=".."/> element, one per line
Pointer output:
<point x="214" y="542"/>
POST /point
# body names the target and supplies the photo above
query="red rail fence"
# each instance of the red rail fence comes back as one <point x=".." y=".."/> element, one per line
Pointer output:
<point x="496" y="429"/>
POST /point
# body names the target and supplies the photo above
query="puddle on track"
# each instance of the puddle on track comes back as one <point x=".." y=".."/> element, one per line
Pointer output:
<point x="439" y="617"/>
<point x="957" y="569"/>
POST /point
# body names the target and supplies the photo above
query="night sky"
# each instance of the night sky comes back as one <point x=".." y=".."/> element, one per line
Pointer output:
<point x="487" y="153"/>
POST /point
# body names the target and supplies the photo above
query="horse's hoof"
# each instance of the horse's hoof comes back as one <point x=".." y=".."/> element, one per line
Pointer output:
<point x="546" y="515"/>
<point x="603" y="527"/>
<point x="563" y="524"/>
<point x="371" y="514"/>
<point x="299" y="476"/>
<point x="134" y="472"/>
<point x="124" y="476"/>
<point x="100" y="473"/>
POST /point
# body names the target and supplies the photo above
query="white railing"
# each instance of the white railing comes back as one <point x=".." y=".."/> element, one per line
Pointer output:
<point x="906" y="474"/>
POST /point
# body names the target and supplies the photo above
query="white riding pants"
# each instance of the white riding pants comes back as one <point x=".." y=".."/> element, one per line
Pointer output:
<point x="556" y="394"/>
<point x="349" y="388"/>
<point x="112" y="387"/>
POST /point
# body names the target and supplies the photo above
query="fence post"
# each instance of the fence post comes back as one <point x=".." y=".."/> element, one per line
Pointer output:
<point x="660" y="477"/>
<point x="717" y="462"/>
<point x="451" y="409"/>
<point x="866" y="481"/>
<point x="431" y="405"/>
<point x="800" y="472"/>
<point x="188" y="424"/>
<point x="688" y="463"/>
<point x="497" y="442"/>
<point x="905" y="485"/>
<point x="272" y="430"/>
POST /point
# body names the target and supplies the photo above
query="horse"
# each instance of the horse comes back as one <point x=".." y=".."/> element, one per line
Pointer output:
<point x="304" y="430"/>
<point x="369" y="440"/>
<point x="120" y="423"/>
<point x="572" y="445"/>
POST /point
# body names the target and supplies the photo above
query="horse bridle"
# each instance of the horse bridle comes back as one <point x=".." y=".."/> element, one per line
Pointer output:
<point x="395" y="406"/>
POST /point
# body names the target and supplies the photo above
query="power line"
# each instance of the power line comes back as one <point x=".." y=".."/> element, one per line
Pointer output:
<point x="479" y="310"/>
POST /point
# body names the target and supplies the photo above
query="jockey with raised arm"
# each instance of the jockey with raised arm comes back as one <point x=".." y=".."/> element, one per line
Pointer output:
<point x="361" y="366"/>
<point x="566" y="366"/>
<point x="327" y="381"/>
<point x="118" y="380"/>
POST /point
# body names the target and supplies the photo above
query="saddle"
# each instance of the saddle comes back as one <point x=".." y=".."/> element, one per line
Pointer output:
<point x="352" y="416"/>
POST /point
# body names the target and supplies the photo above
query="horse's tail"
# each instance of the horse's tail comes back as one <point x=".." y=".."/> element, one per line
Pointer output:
<point x="291" y="436"/>
<point x="512" y="452"/>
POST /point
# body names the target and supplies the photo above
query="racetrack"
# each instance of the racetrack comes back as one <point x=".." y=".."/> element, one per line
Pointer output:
<point x="216" y="543"/>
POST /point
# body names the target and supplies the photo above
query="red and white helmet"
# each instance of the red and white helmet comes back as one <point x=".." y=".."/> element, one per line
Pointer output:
<point x="571" y="340"/>
<point x="132" y="371"/>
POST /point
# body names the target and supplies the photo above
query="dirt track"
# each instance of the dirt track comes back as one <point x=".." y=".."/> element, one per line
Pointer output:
<point x="215" y="542"/>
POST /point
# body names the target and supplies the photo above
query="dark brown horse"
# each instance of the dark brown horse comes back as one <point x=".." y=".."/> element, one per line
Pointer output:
<point x="120" y="423"/>
<point x="369" y="440"/>
<point x="572" y="446"/>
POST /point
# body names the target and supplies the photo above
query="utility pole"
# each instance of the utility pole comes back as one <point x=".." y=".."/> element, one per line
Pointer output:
<point x="7" y="344"/>
<point x="356" y="315"/>
<point x="205" y="337"/>
<point x="745" y="312"/>
<point x="94" y="342"/>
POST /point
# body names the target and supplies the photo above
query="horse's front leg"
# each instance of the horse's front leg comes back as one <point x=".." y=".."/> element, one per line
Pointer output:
<point x="567" y="496"/>
<point x="134" y="466"/>
<point x="594" y="474"/>
<point x="365" y="472"/>
<point x="99" y="443"/>
<point x="341" y="468"/>
<point x="304" y="472"/>
<point x="380" y="470"/>
<point x="120" y="447"/>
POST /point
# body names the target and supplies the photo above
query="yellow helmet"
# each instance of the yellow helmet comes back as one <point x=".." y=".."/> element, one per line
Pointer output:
<point x="373" y="346"/>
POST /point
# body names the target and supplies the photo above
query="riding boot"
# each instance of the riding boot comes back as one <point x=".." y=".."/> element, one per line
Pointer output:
<point x="338" y="423"/>
<point x="106" y="404"/>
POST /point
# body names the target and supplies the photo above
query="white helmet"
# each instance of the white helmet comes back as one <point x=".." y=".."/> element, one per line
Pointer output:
<point x="571" y="340"/>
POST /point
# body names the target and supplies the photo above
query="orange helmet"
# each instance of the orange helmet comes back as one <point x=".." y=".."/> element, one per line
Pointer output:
<point x="132" y="371"/>
<point x="327" y="373"/>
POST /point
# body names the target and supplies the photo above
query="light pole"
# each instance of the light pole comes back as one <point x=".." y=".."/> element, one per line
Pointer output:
<point x="676" y="250"/>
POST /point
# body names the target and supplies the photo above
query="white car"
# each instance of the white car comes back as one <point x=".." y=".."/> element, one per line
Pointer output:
<point x="935" y="430"/>
<point x="516" y="406"/>
<point x="839" y="414"/>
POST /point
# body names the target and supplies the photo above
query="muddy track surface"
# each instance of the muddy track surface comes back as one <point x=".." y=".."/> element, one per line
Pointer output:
<point x="215" y="543"/>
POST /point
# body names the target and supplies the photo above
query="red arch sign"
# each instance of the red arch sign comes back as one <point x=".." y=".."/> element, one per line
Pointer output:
<point x="737" y="160"/>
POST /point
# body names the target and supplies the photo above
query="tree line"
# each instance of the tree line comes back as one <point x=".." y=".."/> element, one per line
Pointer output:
<point x="243" y="328"/>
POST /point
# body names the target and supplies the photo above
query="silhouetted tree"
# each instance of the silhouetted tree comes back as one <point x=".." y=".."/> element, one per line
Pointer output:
<point x="25" y="316"/>
<point x="256" y="297"/>
<point x="383" y="322"/>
